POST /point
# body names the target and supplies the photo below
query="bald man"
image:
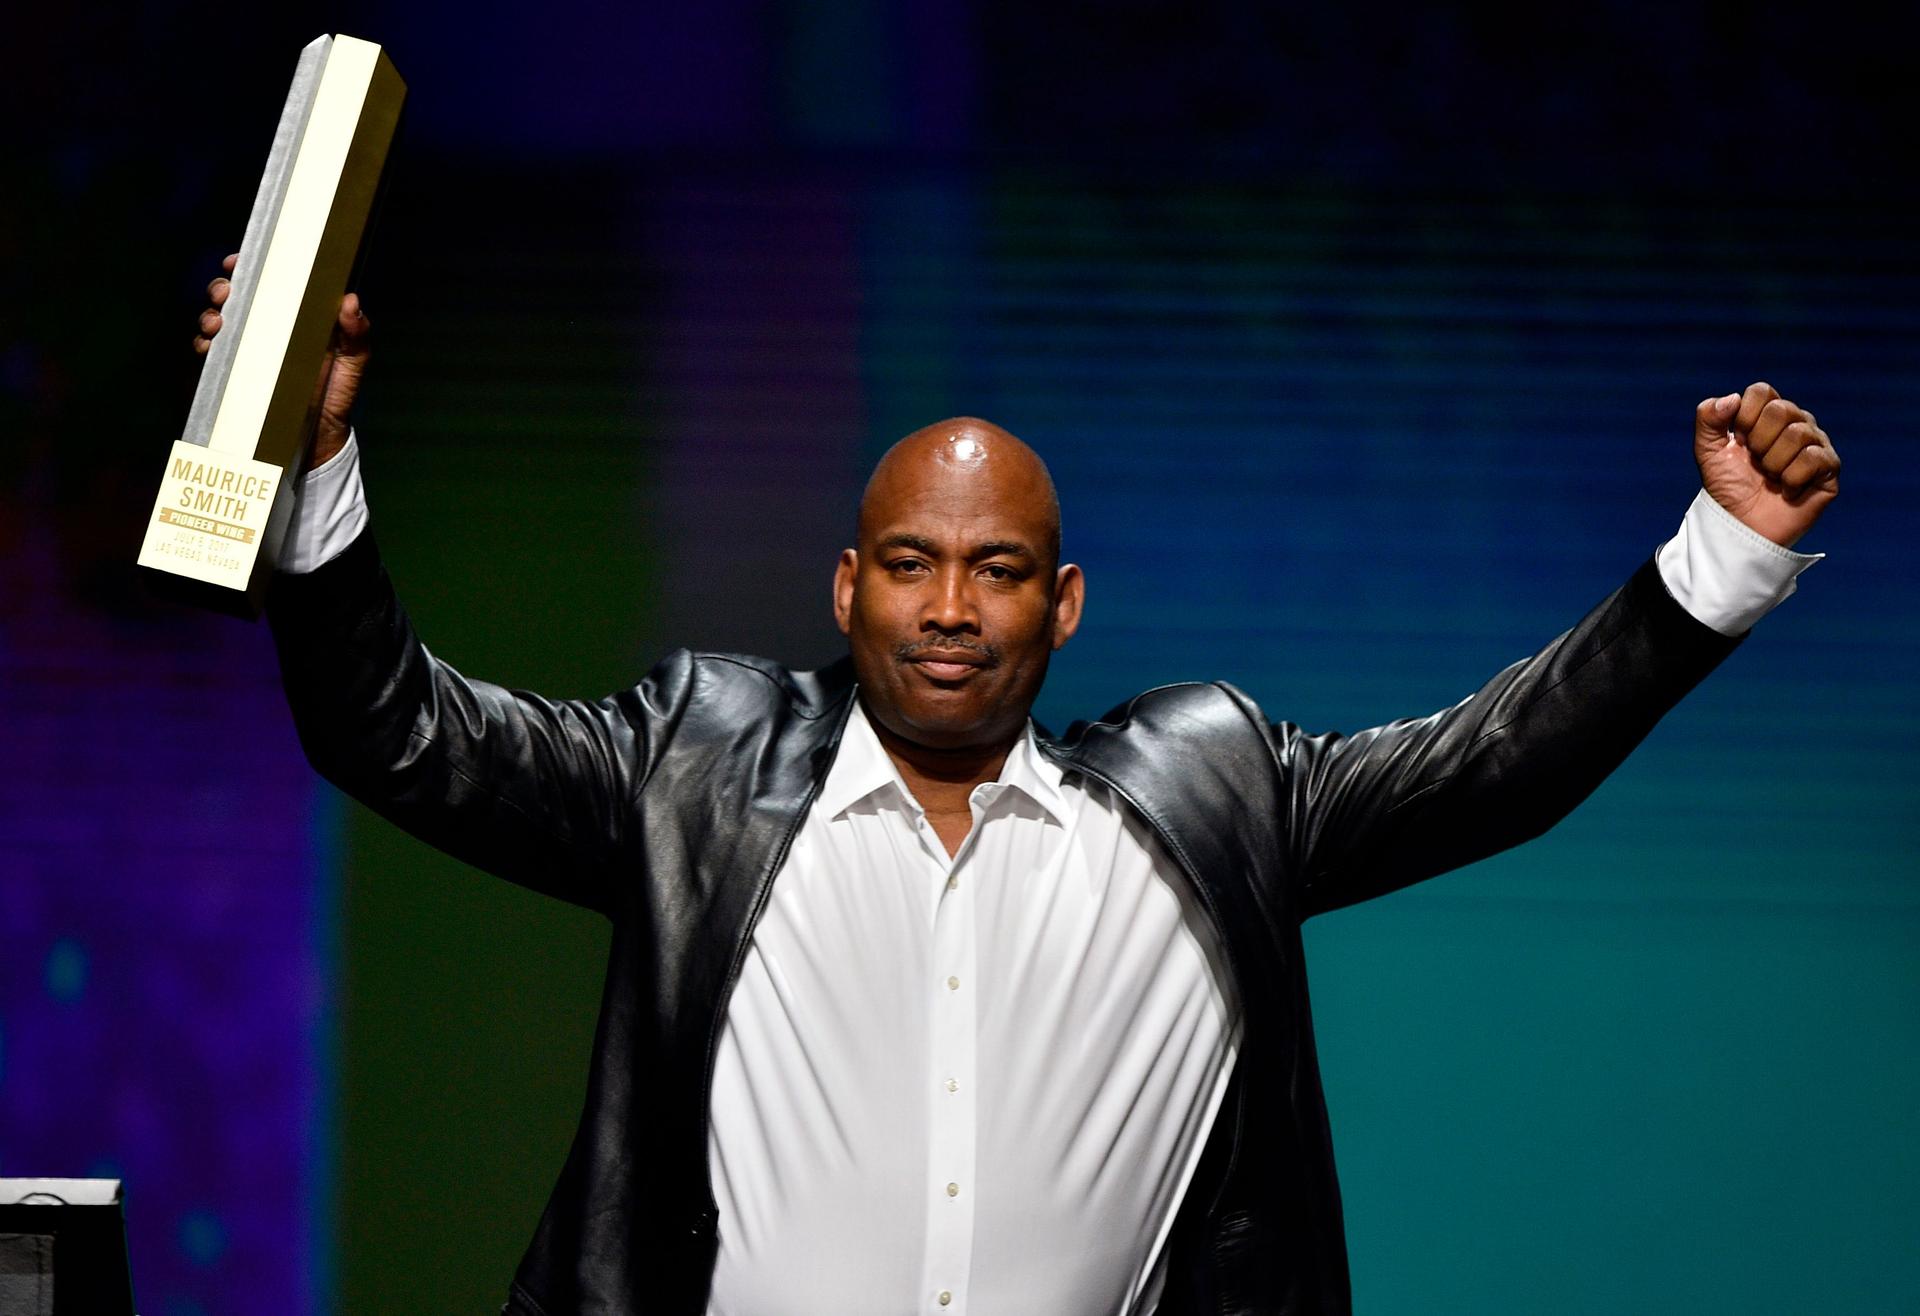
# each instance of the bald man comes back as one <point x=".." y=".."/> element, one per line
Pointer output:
<point x="911" y="1007"/>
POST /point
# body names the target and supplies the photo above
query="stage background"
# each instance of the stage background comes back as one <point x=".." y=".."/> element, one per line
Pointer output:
<point x="1364" y="347"/>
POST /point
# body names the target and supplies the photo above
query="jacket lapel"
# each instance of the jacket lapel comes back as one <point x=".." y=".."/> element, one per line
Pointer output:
<point x="741" y="830"/>
<point x="1192" y="762"/>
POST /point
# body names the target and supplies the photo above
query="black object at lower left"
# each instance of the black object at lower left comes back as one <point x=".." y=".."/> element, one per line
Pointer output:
<point x="63" y="1248"/>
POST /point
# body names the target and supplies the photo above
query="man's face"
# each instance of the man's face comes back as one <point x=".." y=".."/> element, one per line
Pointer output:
<point x="952" y="604"/>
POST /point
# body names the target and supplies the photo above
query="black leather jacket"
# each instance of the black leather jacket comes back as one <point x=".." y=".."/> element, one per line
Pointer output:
<point x="669" y="808"/>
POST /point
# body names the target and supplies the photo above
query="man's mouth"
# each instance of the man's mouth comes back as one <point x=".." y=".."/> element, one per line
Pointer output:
<point x="949" y="664"/>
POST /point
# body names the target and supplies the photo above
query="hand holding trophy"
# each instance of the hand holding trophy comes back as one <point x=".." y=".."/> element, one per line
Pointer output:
<point x="346" y="362"/>
<point x="281" y="349"/>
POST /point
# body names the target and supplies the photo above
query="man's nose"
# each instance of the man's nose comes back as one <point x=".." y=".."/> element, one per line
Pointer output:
<point x="951" y="604"/>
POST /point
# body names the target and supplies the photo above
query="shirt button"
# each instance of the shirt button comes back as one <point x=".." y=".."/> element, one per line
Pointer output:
<point x="945" y="1297"/>
<point x="953" y="984"/>
<point x="953" y="884"/>
<point x="953" y="1085"/>
<point x="953" y="1190"/>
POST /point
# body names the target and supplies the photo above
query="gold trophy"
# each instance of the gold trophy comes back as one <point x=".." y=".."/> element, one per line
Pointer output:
<point x="223" y="505"/>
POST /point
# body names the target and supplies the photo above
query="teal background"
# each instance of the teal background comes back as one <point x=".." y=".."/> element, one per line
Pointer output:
<point x="1363" y="346"/>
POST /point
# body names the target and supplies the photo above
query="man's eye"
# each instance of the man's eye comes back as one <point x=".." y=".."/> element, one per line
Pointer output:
<point x="994" y="571"/>
<point x="907" y="566"/>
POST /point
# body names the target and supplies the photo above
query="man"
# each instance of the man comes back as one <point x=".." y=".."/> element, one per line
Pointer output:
<point x="911" y="1007"/>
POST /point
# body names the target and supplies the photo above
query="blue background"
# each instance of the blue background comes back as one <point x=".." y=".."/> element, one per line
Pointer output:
<point x="1363" y="345"/>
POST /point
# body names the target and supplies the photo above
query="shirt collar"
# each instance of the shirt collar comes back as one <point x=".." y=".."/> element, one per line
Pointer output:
<point x="1034" y="774"/>
<point x="862" y="767"/>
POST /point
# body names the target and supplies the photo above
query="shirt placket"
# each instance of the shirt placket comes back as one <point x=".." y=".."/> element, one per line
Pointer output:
<point x="950" y="1079"/>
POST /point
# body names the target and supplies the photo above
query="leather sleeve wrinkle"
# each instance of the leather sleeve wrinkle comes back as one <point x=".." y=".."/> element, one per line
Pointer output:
<point x="1423" y="793"/>
<point x="476" y="727"/>
<point x="653" y="709"/>
<point x="530" y="789"/>
<point x="1384" y="774"/>
<point x="1395" y="804"/>
<point x="788" y="696"/>
<point x="493" y="737"/>
<point x="1265" y="731"/>
<point x="481" y="788"/>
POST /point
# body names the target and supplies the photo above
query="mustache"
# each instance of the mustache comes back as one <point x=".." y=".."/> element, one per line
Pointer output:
<point x="909" y="650"/>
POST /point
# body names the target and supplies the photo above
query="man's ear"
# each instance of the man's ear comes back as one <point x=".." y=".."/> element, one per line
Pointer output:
<point x="1069" y="595"/>
<point x="843" y="575"/>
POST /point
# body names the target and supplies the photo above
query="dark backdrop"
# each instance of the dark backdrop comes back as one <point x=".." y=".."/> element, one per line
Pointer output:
<point x="1364" y="346"/>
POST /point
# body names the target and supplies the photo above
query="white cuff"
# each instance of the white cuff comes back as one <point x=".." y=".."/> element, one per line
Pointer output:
<point x="1725" y="574"/>
<point x="329" y="512"/>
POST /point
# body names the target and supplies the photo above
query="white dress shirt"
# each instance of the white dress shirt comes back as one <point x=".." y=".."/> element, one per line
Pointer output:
<point x="969" y="1084"/>
<point x="982" y="1083"/>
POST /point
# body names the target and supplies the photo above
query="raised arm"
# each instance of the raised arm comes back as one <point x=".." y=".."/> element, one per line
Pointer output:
<point x="1382" y="809"/>
<point x="531" y="789"/>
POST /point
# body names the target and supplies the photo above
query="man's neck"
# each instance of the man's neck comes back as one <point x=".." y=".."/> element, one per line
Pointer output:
<point x="943" y="779"/>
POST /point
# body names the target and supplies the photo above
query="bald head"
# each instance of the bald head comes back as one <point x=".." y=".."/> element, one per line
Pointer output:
<point x="955" y="598"/>
<point x="966" y="461"/>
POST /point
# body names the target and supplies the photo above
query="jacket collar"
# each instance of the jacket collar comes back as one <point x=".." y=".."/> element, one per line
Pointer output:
<point x="1186" y="758"/>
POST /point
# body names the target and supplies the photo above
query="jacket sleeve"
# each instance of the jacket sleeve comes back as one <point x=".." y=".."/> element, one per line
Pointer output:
<point x="1373" y="812"/>
<point x="530" y="789"/>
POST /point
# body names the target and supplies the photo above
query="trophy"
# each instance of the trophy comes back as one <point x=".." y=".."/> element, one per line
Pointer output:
<point x="224" y="502"/>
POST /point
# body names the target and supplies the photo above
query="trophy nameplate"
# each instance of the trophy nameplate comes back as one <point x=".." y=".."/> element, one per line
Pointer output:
<point x="227" y="493"/>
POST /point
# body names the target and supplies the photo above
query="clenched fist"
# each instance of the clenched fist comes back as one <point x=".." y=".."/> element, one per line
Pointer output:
<point x="1767" y="461"/>
<point x="347" y="358"/>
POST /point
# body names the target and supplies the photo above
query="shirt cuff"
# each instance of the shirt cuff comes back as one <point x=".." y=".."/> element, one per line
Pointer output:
<point x="329" y="512"/>
<point x="1725" y="574"/>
